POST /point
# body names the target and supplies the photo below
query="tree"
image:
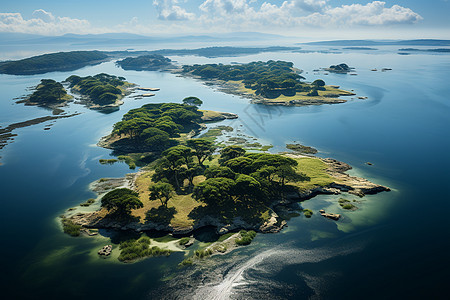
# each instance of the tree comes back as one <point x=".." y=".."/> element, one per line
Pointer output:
<point x="203" y="149"/>
<point x="230" y="152"/>
<point x="318" y="83"/>
<point x="192" y="101"/>
<point x="240" y="164"/>
<point x="121" y="201"/>
<point x="161" y="191"/>
<point x="216" y="171"/>
<point x="247" y="188"/>
<point x="215" y="192"/>
<point x="174" y="166"/>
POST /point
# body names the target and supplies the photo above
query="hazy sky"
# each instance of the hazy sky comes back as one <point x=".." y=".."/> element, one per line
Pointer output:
<point x="301" y="18"/>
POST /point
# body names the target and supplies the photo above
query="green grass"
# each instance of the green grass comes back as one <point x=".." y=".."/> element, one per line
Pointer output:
<point x="246" y="237"/>
<point x="70" y="228"/>
<point x="202" y="253"/>
<point x="346" y="204"/>
<point x="315" y="169"/>
<point x="107" y="161"/>
<point x="183" y="241"/>
<point x="186" y="262"/>
<point x="134" y="249"/>
<point x="88" y="202"/>
<point x="308" y="213"/>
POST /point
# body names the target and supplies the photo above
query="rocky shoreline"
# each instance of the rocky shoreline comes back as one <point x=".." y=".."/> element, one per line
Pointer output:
<point x="343" y="183"/>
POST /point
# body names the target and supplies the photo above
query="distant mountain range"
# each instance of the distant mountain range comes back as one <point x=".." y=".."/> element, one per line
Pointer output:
<point x="420" y="42"/>
<point x="128" y="38"/>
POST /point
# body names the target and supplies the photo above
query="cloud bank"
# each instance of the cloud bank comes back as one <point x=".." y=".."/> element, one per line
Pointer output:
<point x="42" y="22"/>
<point x="226" y="15"/>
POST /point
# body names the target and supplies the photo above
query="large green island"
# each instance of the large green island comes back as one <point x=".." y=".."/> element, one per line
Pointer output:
<point x="189" y="182"/>
<point x="269" y="83"/>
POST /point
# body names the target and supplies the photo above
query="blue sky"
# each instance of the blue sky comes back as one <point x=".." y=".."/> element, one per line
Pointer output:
<point x="303" y="18"/>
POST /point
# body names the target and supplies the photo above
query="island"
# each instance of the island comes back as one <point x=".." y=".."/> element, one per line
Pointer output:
<point x="189" y="182"/>
<point x="101" y="91"/>
<point x="209" y="52"/>
<point x="340" y="69"/>
<point x="48" y="93"/>
<point x="268" y="83"/>
<point x="61" y="61"/>
<point x="151" y="62"/>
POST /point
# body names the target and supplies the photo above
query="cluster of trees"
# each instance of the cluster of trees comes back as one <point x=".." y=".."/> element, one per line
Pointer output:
<point x="246" y="178"/>
<point x="240" y="179"/>
<point x="153" y="126"/>
<point x="145" y="62"/>
<point x="178" y="165"/>
<point x="268" y="79"/>
<point x="49" y="92"/>
<point x="102" y="88"/>
<point x="61" y="61"/>
<point x="341" y="68"/>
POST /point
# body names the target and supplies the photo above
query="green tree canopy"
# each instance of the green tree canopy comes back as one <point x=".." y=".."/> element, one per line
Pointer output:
<point x="121" y="201"/>
<point x="230" y="152"/>
<point x="203" y="149"/>
<point x="215" y="192"/>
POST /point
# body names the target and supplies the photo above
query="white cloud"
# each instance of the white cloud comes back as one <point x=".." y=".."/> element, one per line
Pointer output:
<point x="300" y="13"/>
<point x="373" y="14"/>
<point x="169" y="10"/>
<point x="42" y="23"/>
<point x="43" y="15"/>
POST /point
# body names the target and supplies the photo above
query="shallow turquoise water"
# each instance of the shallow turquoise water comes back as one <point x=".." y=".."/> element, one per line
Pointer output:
<point x="393" y="246"/>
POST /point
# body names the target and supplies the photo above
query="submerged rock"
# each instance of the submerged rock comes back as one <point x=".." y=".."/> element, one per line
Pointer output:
<point x="105" y="251"/>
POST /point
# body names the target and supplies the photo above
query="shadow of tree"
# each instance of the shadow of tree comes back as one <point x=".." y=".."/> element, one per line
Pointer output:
<point x="161" y="215"/>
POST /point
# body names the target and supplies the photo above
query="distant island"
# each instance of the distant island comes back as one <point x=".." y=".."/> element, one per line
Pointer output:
<point x="359" y="48"/>
<point x="61" y="61"/>
<point x="419" y="42"/>
<point x="341" y="68"/>
<point x="269" y="83"/>
<point x="206" y="52"/>
<point x="151" y="62"/>
<point x="438" y="50"/>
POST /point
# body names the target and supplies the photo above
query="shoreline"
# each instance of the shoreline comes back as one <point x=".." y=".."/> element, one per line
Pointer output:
<point x="236" y="88"/>
<point x="342" y="183"/>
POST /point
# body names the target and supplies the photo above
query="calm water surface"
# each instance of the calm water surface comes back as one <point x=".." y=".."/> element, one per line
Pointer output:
<point x="394" y="246"/>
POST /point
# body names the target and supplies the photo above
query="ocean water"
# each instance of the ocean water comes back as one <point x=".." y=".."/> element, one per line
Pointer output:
<point x="394" y="246"/>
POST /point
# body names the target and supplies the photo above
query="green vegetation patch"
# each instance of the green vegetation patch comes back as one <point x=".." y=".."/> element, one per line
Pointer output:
<point x="70" y="228"/>
<point x="246" y="237"/>
<point x="183" y="241"/>
<point x="149" y="62"/>
<point x="154" y="126"/>
<point x="268" y="79"/>
<point x="88" y="202"/>
<point x="101" y="89"/>
<point x="134" y="249"/>
<point x="346" y="204"/>
<point x="107" y="161"/>
<point x="302" y="149"/>
<point x="61" y="61"/>
<point x="307" y="213"/>
<point x="48" y="92"/>
<point x="315" y="170"/>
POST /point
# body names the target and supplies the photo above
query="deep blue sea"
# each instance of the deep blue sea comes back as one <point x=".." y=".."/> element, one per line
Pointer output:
<point x="395" y="246"/>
